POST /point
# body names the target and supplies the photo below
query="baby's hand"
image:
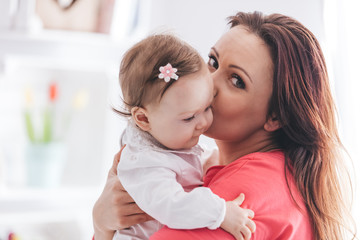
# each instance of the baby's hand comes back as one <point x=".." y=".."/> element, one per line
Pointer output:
<point x="238" y="220"/>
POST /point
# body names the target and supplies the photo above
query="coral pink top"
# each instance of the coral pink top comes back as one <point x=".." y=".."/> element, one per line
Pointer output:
<point x="261" y="177"/>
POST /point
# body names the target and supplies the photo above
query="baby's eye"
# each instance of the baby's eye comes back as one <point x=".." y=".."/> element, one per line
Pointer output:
<point x="237" y="81"/>
<point x="213" y="62"/>
<point x="208" y="108"/>
<point x="189" y="119"/>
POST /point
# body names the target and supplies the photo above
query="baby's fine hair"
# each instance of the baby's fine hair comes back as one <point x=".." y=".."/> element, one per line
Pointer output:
<point x="139" y="68"/>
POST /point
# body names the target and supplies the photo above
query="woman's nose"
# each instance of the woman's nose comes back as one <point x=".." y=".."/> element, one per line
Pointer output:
<point x="214" y="78"/>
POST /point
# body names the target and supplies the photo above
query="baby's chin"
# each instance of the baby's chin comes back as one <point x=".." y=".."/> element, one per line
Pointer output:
<point x="192" y="143"/>
<point x="186" y="146"/>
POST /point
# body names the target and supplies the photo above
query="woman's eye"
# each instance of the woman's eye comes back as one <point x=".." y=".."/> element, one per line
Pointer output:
<point x="237" y="81"/>
<point x="189" y="119"/>
<point x="212" y="62"/>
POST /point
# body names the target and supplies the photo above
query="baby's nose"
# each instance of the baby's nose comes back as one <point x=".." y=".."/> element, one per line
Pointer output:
<point x="202" y="123"/>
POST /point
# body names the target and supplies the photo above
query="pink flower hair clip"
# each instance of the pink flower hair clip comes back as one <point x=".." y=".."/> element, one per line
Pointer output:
<point x="167" y="72"/>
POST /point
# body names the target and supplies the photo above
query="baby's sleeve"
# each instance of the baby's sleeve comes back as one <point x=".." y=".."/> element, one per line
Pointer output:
<point x="154" y="188"/>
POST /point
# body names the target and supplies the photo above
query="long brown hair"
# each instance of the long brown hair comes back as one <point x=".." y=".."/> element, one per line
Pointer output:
<point x="302" y="102"/>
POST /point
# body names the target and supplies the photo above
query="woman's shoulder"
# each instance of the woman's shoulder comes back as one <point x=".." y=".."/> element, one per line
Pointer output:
<point x="269" y="192"/>
<point x="261" y="156"/>
<point x="251" y="165"/>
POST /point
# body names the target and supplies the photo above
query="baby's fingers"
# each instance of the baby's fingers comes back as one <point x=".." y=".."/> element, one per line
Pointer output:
<point x="246" y="232"/>
<point x="251" y="225"/>
<point x="250" y="213"/>
<point x="239" y="200"/>
<point x="238" y="236"/>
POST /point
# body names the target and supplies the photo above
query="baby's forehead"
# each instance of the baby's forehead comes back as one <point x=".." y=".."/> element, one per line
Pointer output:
<point x="187" y="94"/>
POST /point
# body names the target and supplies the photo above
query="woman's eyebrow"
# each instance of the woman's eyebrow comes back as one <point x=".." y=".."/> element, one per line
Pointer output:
<point x="216" y="52"/>
<point x="241" y="69"/>
<point x="232" y="65"/>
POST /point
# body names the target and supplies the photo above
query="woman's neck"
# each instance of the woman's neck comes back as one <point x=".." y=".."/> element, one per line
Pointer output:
<point x="230" y="151"/>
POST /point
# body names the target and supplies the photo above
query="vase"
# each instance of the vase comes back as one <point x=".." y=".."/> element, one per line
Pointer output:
<point x="45" y="164"/>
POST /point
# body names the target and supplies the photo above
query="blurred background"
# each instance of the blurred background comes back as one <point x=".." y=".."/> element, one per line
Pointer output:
<point x="59" y="62"/>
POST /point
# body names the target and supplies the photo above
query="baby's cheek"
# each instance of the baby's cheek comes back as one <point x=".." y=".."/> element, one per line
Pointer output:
<point x="179" y="134"/>
<point x="211" y="118"/>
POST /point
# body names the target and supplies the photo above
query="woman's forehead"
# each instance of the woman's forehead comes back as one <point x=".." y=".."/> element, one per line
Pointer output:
<point x="241" y="47"/>
<point x="239" y="38"/>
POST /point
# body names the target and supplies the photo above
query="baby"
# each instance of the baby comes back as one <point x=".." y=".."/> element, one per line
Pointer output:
<point x="167" y="92"/>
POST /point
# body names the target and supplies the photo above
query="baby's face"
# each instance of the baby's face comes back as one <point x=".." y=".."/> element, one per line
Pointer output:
<point x="184" y="112"/>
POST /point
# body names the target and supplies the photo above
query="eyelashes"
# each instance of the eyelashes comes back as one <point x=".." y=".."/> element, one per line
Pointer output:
<point x="193" y="117"/>
<point x="189" y="119"/>
<point x="213" y="62"/>
<point x="236" y="80"/>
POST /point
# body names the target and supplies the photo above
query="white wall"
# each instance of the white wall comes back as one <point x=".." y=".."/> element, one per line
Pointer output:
<point x="201" y="22"/>
<point x="342" y="33"/>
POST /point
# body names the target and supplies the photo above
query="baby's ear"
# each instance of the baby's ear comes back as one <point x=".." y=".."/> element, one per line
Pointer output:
<point x="139" y="115"/>
<point x="272" y="124"/>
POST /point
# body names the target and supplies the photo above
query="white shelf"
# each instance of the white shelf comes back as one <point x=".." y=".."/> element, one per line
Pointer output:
<point x="69" y="49"/>
<point x="45" y="205"/>
<point x="62" y="213"/>
<point x="62" y="36"/>
<point x="38" y="56"/>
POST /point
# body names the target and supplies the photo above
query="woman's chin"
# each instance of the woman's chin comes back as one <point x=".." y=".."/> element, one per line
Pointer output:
<point x="209" y="132"/>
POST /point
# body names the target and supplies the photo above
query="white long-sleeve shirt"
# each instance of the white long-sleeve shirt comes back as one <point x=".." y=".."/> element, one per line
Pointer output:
<point x="166" y="184"/>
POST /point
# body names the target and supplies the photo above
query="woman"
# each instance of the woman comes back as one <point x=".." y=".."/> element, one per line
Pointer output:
<point x="275" y="128"/>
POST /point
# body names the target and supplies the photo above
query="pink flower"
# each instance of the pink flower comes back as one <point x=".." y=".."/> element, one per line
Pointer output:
<point x="167" y="72"/>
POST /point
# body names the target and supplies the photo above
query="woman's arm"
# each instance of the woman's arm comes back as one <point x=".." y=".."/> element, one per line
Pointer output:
<point x="115" y="209"/>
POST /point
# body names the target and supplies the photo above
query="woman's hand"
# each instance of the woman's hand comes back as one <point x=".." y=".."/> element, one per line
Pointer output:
<point x="115" y="209"/>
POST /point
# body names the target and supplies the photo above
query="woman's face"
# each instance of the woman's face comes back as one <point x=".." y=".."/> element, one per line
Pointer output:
<point x="242" y="70"/>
